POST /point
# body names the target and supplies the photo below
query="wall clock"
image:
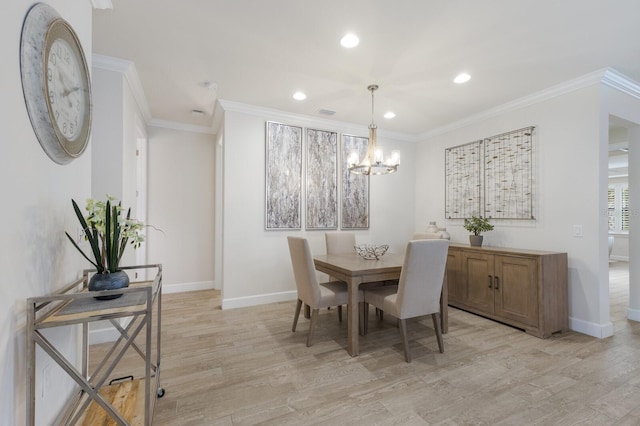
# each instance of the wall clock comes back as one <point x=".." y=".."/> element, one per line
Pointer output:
<point x="55" y="82"/>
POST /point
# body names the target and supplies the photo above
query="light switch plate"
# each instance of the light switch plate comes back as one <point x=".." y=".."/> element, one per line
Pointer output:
<point x="577" y="231"/>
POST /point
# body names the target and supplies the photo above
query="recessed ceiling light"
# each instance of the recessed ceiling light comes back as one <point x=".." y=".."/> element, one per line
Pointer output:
<point x="462" y="78"/>
<point x="299" y="96"/>
<point x="349" y="40"/>
<point x="389" y="114"/>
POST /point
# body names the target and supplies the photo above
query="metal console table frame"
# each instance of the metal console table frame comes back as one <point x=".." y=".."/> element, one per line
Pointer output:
<point x="75" y="305"/>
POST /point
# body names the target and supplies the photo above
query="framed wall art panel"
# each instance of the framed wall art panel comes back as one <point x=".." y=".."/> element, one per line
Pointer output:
<point x="322" y="180"/>
<point x="283" y="192"/>
<point x="508" y="175"/>
<point x="355" y="188"/>
<point x="463" y="184"/>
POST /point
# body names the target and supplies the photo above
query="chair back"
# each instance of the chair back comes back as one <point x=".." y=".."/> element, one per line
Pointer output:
<point x="427" y="236"/>
<point x="304" y="271"/>
<point x="340" y="242"/>
<point x="421" y="278"/>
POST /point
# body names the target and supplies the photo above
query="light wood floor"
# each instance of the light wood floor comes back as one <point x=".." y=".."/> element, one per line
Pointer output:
<point x="245" y="366"/>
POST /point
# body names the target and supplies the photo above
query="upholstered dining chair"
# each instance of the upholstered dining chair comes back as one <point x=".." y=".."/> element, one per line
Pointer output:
<point x="426" y="236"/>
<point x="340" y="242"/>
<point x="314" y="294"/>
<point x="418" y="290"/>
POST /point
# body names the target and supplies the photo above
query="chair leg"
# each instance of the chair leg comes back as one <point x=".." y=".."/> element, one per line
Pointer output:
<point x="340" y="313"/>
<point x="312" y="325"/>
<point x="296" y="315"/>
<point x="405" y="339"/>
<point x="438" y="328"/>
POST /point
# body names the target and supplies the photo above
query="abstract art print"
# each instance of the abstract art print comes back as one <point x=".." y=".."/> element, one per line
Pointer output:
<point x="463" y="185"/>
<point x="355" y="188"/>
<point x="283" y="176"/>
<point x="508" y="171"/>
<point x="322" y="180"/>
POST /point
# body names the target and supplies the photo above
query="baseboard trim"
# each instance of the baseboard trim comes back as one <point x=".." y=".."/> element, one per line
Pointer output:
<point x="619" y="258"/>
<point x="633" y="314"/>
<point x="183" y="287"/>
<point x="261" y="299"/>
<point x="600" y="331"/>
<point x="103" y="335"/>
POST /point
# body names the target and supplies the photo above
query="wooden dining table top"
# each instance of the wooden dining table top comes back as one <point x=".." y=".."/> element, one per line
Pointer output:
<point x="352" y="264"/>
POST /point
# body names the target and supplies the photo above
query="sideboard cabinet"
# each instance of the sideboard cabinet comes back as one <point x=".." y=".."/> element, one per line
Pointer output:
<point x="523" y="288"/>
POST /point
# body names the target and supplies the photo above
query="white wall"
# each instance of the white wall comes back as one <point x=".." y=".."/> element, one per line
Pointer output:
<point x="35" y="256"/>
<point x="256" y="263"/>
<point x="571" y="181"/>
<point x="107" y="132"/>
<point x="116" y="127"/>
<point x="181" y="198"/>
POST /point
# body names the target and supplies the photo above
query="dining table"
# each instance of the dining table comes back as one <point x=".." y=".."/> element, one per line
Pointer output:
<point x="355" y="270"/>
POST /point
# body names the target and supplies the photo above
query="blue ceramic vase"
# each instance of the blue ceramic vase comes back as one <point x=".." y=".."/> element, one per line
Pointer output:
<point x="111" y="281"/>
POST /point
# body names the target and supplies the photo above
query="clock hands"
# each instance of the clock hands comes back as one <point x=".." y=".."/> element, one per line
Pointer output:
<point x="67" y="92"/>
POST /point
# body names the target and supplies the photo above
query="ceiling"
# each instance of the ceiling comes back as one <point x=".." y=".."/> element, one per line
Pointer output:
<point x="260" y="52"/>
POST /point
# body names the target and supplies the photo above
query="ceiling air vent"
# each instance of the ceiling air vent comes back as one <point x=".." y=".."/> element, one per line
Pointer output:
<point x="327" y="111"/>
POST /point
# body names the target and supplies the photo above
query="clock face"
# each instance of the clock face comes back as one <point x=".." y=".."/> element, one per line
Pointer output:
<point x="65" y="88"/>
<point x="55" y="82"/>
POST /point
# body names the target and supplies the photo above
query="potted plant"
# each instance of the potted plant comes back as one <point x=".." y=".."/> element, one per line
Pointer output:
<point x="477" y="225"/>
<point x="108" y="233"/>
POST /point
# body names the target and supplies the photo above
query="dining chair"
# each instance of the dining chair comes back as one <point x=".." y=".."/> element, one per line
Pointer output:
<point x="426" y="236"/>
<point x="418" y="290"/>
<point x="314" y="294"/>
<point x="340" y="242"/>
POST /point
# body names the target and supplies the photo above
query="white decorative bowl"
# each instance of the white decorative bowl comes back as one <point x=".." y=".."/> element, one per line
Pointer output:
<point x="371" y="252"/>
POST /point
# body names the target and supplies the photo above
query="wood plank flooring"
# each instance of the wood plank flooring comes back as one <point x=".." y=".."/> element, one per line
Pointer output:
<point x="245" y="367"/>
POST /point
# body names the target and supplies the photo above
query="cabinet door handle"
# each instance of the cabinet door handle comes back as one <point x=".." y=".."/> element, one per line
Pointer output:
<point x="497" y="286"/>
<point x="490" y="279"/>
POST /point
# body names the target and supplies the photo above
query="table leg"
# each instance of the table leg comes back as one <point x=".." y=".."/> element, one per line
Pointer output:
<point x="352" y="321"/>
<point x="444" y="305"/>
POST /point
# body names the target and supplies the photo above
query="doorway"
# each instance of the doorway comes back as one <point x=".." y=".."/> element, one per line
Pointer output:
<point x="622" y="135"/>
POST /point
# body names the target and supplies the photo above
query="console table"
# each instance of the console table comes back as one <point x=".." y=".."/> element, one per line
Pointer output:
<point x="523" y="288"/>
<point x="140" y="307"/>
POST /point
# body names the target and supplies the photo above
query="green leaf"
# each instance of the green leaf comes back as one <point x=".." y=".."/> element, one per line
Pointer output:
<point x="80" y="250"/>
<point x="91" y="237"/>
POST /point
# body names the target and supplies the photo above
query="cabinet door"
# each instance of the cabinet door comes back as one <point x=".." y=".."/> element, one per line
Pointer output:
<point x="477" y="269"/>
<point x="516" y="289"/>
<point x="455" y="282"/>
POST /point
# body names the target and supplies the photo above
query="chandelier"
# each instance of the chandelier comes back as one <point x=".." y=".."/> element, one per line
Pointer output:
<point x="374" y="162"/>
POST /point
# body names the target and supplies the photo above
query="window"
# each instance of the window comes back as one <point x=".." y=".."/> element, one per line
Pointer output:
<point x="618" y="207"/>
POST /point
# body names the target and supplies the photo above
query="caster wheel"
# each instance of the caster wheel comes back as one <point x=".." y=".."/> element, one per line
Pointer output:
<point x="160" y="392"/>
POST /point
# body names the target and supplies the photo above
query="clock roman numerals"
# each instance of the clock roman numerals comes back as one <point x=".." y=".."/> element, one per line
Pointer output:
<point x="66" y="92"/>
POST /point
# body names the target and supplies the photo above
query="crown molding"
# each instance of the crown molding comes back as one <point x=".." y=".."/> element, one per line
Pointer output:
<point x="174" y="125"/>
<point x="607" y="76"/>
<point x="308" y="121"/>
<point x="128" y="69"/>
<point x="621" y="82"/>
